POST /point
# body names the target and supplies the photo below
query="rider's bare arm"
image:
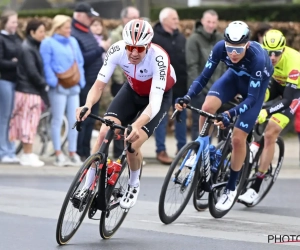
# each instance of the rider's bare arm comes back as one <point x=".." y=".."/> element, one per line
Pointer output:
<point x="94" y="93"/>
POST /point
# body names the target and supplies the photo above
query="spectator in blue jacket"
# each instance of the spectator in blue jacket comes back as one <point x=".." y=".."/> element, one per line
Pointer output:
<point x="92" y="54"/>
<point x="58" y="53"/>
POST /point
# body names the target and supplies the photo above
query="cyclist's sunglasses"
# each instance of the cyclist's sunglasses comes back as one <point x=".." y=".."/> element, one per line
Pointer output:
<point x="274" y="52"/>
<point x="237" y="49"/>
<point x="139" y="49"/>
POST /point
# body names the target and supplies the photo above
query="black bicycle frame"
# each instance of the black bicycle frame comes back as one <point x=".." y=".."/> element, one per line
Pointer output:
<point x="101" y="203"/>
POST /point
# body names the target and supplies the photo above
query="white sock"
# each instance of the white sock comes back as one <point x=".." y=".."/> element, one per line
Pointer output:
<point x="134" y="180"/>
<point x="90" y="176"/>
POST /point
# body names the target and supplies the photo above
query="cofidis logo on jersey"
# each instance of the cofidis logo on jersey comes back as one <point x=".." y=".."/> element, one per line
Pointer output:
<point x="162" y="67"/>
<point x="110" y="51"/>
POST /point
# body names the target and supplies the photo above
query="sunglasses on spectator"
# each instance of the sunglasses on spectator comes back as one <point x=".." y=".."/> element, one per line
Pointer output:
<point x="139" y="49"/>
<point x="238" y="49"/>
<point x="276" y="53"/>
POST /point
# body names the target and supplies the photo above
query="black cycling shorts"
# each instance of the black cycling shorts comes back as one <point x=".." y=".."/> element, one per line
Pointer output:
<point x="282" y="118"/>
<point x="127" y="104"/>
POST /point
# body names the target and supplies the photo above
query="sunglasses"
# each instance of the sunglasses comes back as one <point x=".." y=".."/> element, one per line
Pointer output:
<point x="238" y="50"/>
<point x="139" y="49"/>
<point x="276" y="53"/>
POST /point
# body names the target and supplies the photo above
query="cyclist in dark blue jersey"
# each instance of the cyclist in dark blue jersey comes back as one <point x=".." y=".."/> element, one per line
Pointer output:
<point x="248" y="74"/>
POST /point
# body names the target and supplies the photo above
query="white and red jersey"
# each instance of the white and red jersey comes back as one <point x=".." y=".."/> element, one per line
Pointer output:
<point x="153" y="74"/>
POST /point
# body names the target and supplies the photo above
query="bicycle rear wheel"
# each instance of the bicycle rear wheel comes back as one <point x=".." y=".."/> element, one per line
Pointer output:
<point x="222" y="175"/>
<point x="271" y="175"/>
<point x="80" y="206"/>
<point x="178" y="180"/>
<point x="114" y="213"/>
<point x="200" y="197"/>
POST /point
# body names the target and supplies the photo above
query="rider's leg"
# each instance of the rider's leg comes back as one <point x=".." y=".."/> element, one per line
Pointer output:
<point x="135" y="159"/>
<point x="90" y="175"/>
<point x="243" y="127"/>
<point x="272" y="131"/>
<point x="277" y="122"/>
<point x="237" y="156"/>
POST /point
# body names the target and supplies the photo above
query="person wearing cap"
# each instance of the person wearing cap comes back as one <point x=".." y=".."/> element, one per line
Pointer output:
<point x="248" y="74"/>
<point x="59" y="52"/>
<point x="92" y="55"/>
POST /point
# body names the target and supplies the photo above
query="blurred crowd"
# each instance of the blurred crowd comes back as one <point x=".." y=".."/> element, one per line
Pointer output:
<point x="54" y="71"/>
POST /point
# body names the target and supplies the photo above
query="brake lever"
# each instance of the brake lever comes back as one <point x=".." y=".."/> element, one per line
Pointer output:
<point x="176" y="114"/>
<point x="129" y="148"/>
<point x="77" y="124"/>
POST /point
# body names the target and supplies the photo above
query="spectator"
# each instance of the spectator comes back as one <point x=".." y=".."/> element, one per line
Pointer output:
<point x="198" y="49"/>
<point x="100" y="33"/>
<point x="167" y="35"/>
<point x="61" y="56"/>
<point x="260" y="31"/>
<point x="31" y="84"/>
<point x="10" y="50"/>
<point x="92" y="55"/>
<point x="118" y="78"/>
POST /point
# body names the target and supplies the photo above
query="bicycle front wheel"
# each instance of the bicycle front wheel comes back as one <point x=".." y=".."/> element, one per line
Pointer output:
<point x="179" y="179"/>
<point x="75" y="208"/>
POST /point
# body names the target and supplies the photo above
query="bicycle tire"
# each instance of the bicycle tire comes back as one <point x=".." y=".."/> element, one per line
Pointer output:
<point x="196" y="197"/>
<point x="243" y="177"/>
<point x="104" y="233"/>
<point x="161" y="206"/>
<point x="62" y="240"/>
<point x="280" y="143"/>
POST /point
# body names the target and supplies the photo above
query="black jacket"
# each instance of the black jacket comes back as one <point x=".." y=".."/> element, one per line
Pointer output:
<point x="10" y="47"/>
<point x="30" y="69"/>
<point x="174" y="45"/>
<point x="92" y="53"/>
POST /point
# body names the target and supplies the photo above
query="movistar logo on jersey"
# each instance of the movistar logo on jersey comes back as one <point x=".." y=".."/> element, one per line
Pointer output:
<point x="243" y="109"/>
<point x="255" y="84"/>
<point x="243" y="125"/>
<point x="208" y="64"/>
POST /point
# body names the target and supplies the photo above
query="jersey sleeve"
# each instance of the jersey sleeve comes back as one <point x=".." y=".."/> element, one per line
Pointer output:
<point x="110" y="62"/>
<point x="254" y="89"/>
<point x="161" y="70"/>
<point x="293" y="71"/>
<point x="200" y="82"/>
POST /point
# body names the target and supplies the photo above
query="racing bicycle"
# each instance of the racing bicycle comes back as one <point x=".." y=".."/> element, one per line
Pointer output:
<point x="108" y="187"/>
<point x="186" y="177"/>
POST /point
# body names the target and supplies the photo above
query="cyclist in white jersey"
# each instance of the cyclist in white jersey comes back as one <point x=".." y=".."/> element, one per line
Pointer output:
<point x="148" y="90"/>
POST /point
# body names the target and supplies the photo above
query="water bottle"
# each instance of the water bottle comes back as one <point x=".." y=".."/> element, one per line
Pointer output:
<point x="212" y="154"/>
<point x="216" y="164"/>
<point x="116" y="169"/>
<point x="253" y="150"/>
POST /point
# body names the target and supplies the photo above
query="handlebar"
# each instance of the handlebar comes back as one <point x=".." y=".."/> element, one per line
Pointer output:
<point x="107" y="122"/>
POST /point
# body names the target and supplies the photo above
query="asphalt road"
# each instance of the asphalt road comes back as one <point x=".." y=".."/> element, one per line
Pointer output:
<point x="30" y="204"/>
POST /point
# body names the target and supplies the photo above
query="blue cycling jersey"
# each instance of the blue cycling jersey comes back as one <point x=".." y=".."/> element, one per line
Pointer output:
<point x="255" y="65"/>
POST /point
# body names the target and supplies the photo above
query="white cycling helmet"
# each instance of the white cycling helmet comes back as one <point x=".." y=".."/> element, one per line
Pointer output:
<point x="137" y="32"/>
<point x="237" y="32"/>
